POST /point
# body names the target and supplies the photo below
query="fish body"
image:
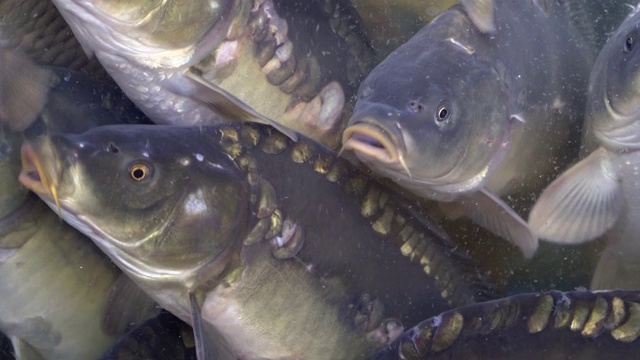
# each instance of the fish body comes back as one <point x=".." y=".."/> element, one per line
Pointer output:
<point x="455" y="114"/>
<point x="182" y="62"/>
<point x="252" y="239"/>
<point x="600" y="194"/>
<point x="60" y="297"/>
<point x="550" y="325"/>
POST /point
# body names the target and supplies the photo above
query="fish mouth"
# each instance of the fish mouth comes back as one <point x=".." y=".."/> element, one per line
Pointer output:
<point x="371" y="141"/>
<point x="38" y="172"/>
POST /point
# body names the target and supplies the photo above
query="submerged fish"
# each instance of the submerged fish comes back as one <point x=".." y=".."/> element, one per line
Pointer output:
<point x="601" y="194"/>
<point x="60" y="297"/>
<point x="206" y="62"/>
<point x="479" y="104"/>
<point x="252" y="237"/>
<point x="551" y="325"/>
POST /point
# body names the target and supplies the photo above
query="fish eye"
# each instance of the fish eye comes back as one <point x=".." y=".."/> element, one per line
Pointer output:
<point x="416" y="106"/>
<point x="139" y="171"/>
<point x="628" y="43"/>
<point x="443" y="113"/>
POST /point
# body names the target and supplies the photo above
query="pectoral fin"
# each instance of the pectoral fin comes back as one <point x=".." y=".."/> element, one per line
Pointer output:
<point x="230" y="106"/>
<point x="481" y="13"/>
<point x="489" y="211"/>
<point x="209" y="343"/>
<point x="127" y="306"/>
<point x="580" y="205"/>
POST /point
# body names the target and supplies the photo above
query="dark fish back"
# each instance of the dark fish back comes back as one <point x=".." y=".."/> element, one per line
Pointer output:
<point x="354" y="226"/>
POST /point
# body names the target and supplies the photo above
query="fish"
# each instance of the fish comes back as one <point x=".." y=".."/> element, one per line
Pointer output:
<point x="269" y="248"/>
<point x="162" y="337"/>
<point x="454" y="114"/>
<point x="552" y="325"/>
<point x="598" y="195"/>
<point x="208" y="62"/>
<point x="61" y="297"/>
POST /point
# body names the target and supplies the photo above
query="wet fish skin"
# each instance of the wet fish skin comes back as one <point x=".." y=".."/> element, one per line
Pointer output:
<point x="600" y="195"/>
<point x="550" y="325"/>
<point x="456" y="121"/>
<point x="54" y="284"/>
<point x="155" y="51"/>
<point x="311" y="300"/>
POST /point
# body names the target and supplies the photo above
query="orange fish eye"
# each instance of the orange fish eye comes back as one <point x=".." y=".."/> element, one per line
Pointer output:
<point x="139" y="171"/>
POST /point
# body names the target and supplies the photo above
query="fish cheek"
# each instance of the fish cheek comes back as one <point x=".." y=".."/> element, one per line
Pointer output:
<point x="207" y="219"/>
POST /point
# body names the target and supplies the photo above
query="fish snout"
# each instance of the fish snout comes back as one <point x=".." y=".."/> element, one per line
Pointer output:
<point x="41" y="169"/>
<point x="368" y="137"/>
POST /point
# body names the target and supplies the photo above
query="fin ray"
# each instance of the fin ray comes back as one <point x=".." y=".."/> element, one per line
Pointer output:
<point x="580" y="205"/>
<point x="226" y="104"/>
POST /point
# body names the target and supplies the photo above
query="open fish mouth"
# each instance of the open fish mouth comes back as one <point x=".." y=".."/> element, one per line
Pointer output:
<point x="371" y="141"/>
<point x="38" y="172"/>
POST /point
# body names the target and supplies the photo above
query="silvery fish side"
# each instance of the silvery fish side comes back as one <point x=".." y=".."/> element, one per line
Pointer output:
<point x="600" y="195"/>
<point x="207" y="62"/>
<point x="252" y="239"/>
<point x="479" y="104"/>
<point x="60" y="297"/>
<point x="551" y="325"/>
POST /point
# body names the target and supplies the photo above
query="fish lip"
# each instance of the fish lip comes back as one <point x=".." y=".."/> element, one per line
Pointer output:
<point x="34" y="175"/>
<point x="373" y="141"/>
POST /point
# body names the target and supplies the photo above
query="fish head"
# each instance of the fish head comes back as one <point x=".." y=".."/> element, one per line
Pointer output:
<point x="158" y="206"/>
<point x="613" y="106"/>
<point x="433" y="118"/>
<point x="143" y="27"/>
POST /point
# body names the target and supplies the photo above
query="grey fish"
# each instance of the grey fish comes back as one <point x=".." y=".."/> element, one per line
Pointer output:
<point x="455" y="114"/>
<point x="206" y="62"/>
<point x="60" y="297"/>
<point x="251" y="238"/>
<point x="551" y="325"/>
<point x="600" y="195"/>
<point x="163" y="337"/>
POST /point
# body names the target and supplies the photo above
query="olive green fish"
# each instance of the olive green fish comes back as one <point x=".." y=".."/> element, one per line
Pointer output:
<point x="551" y="325"/>
<point x="60" y="297"/>
<point x="600" y="195"/>
<point x="206" y="62"/>
<point x="479" y="104"/>
<point x="251" y="238"/>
